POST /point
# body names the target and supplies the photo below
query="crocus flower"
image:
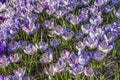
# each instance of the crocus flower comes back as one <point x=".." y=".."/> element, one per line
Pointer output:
<point x="83" y="58"/>
<point x="60" y="66"/>
<point x="68" y="35"/>
<point x="96" y="32"/>
<point x="114" y="1"/>
<point x="109" y="37"/>
<point x="79" y="46"/>
<point x="38" y="8"/>
<point x="75" y="19"/>
<point x="116" y="28"/>
<point x="88" y="71"/>
<point x="96" y="20"/>
<point x="51" y="3"/>
<point x="29" y="7"/>
<point x="108" y="8"/>
<point x="22" y="44"/>
<point x="98" y="55"/>
<point x="31" y="28"/>
<point x="91" y="42"/>
<point x="30" y="49"/>
<point x="59" y="30"/>
<point x="96" y="12"/>
<point x="73" y="59"/>
<point x="55" y="43"/>
<point x="59" y="13"/>
<point x="9" y="77"/>
<point x="42" y="46"/>
<point x="117" y="13"/>
<point x="84" y="14"/>
<point x="85" y="1"/>
<point x="76" y="69"/>
<point x="50" y="71"/>
<point x="3" y="1"/>
<point x="15" y="57"/>
<point x="106" y="46"/>
<point x="50" y="10"/>
<point x="86" y="28"/>
<point x="100" y="3"/>
<point x="4" y="61"/>
<point x="20" y="72"/>
<point x="49" y="24"/>
<point x="3" y="47"/>
<point x="43" y="2"/>
<point x="13" y="45"/>
<point x="64" y="55"/>
<point x="47" y="57"/>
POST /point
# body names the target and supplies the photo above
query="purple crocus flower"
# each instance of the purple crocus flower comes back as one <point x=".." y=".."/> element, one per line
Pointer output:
<point x="49" y="24"/>
<point x="64" y="55"/>
<point x="109" y="37"/>
<point x="114" y="1"/>
<point x="59" y="13"/>
<point x="96" y="20"/>
<point x="75" y="19"/>
<point x="12" y="46"/>
<point x="83" y="58"/>
<point x="91" y="42"/>
<point x="96" y="32"/>
<point x="84" y="14"/>
<point x="3" y="47"/>
<point x="4" y="61"/>
<point x="9" y="77"/>
<point x="15" y="57"/>
<point x="50" y="10"/>
<point x="108" y="8"/>
<point x="116" y="28"/>
<point x="29" y="7"/>
<point x="98" y="55"/>
<point x="88" y="71"/>
<point x="42" y="46"/>
<point x="79" y="46"/>
<point x="85" y="1"/>
<point x="106" y="46"/>
<point x="58" y="30"/>
<point x="48" y="57"/>
<point x="22" y="44"/>
<point x="51" y="3"/>
<point x="38" y="8"/>
<point x="20" y="72"/>
<point x="86" y="28"/>
<point x="96" y="12"/>
<point x="73" y="59"/>
<point x="55" y="43"/>
<point x="31" y="28"/>
<point x="117" y="13"/>
<point x="43" y="2"/>
<point x="68" y="35"/>
<point x="76" y="69"/>
<point x="30" y="49"/>
<point x="50" y="71"/>
<point x="60" y="66"/>
<point x="100" y="3"/>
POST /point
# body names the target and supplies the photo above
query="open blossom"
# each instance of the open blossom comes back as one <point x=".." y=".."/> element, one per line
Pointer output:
<point x="20" y="72"/>
<point x="106" y="46"/>
<point x="15" y="57"/>
<point x="64" y="55"/>
<point x="91" y="42"/>
<point x="88" y="71"/>
<point x="4" y="61"/>
<point x="30" y="49"/>
<point x="50" y="71"/>
<point x="48" y="24"/>
<point x="76" y="69"/>
<point x="98" y="55"/>
<point x="47" y="57"/>
<point x="42" y="46"/>
<point x="60" y="66"/>
<point x="55" y="43"/>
